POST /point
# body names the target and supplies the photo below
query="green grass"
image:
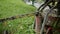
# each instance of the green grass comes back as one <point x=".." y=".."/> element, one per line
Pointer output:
<point x="15" y="7"/>
<point x="21" y="26"/>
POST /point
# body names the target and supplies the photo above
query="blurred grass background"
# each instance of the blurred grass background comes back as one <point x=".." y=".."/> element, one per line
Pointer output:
<point x="18" y="26"/>
<point x="13" y="7"/>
